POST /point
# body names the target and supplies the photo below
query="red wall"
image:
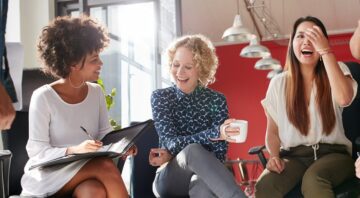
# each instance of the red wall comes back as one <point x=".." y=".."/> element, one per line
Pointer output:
<point x="244" y="87"/>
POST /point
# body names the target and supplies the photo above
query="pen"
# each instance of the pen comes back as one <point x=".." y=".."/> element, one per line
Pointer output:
<point x="87" y="133"/>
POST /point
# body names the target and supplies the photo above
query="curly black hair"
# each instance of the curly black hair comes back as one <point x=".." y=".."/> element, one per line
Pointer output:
<point x="67" y="40"/>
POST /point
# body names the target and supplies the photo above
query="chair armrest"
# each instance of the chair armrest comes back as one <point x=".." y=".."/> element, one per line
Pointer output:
<point x="258" y="150"/>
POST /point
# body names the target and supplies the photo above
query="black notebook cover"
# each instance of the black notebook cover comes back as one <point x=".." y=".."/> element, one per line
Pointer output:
<point x="116" y="143"/>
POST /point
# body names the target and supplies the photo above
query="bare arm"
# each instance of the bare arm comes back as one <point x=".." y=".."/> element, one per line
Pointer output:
<point x="355" y="42"/>
<point x="272" y="142"/>
<point x="341" y="85"/>
<point x="7" y="112"/>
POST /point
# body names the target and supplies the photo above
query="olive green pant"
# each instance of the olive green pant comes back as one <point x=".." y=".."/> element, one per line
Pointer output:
<point x="333" y="166"/>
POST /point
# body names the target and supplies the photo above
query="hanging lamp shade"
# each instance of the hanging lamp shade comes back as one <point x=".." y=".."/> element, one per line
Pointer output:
<point x="267" y="63"/>
<point x="273" y="73"/>
<point x="237" y="33"/>
<point x="255" y="50"/>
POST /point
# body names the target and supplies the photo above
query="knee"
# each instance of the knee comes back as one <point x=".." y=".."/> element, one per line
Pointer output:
<point x="190" y="153"/>
<point x="313" y="179"/>
<point x="262" y="187"/>
<point x="193" y="150"/>
<point x="90" y="188"/>
<point x="266" y="186"/>
<point x="105" y="166"/>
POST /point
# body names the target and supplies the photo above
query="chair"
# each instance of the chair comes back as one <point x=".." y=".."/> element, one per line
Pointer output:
<point x="351" y="187"/>
<point x="5" y="160"/>
<point x="143" y="173"/>
<point x="15" y="139"/>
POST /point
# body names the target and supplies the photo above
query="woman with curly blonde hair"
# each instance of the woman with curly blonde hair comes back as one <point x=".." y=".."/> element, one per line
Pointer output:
<point x="188" y="117"/>
<point x="69" y="49"/>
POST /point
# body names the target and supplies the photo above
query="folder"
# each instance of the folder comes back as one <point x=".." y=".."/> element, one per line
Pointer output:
<point x="115" y="144"/>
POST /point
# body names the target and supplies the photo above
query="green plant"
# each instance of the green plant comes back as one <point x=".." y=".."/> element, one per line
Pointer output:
<point x="109" y="99"/>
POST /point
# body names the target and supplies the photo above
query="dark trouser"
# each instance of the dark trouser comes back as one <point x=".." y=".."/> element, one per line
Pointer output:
<point x="333" y="166"/>
<point x="197" y="173"/>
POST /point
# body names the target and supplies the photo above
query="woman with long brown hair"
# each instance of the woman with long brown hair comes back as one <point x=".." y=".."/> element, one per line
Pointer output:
<point x="305" y="136"/>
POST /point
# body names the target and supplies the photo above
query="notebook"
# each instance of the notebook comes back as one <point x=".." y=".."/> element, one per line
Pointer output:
<point x="115" y="144"/>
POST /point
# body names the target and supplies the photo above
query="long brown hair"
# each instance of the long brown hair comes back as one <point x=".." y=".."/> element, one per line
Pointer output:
<point x="296" y="106"/>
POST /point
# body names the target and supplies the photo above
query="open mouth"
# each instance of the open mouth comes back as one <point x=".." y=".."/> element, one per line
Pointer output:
<point x="182" y="80"/>
<point x="306" y="52"/>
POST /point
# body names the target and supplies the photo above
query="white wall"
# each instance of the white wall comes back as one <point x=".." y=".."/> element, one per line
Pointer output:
<point x="34" y="15"/>
<point x="13" y="22"/>
<point x="25" y="20"/>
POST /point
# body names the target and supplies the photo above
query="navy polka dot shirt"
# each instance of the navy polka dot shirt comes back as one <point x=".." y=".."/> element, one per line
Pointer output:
<point x="182" y="119"/>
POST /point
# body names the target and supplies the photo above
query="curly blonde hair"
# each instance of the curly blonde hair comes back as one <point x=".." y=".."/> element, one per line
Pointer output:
<point x="204" y="56"/>
<point x="66" y="41"/>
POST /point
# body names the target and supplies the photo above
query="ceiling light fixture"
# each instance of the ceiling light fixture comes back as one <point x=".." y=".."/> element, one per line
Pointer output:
<point x="273" y="73"/>
<point x="237" y="32"/>
<point x="267" y="63"/>
<point x="254" y="50"/>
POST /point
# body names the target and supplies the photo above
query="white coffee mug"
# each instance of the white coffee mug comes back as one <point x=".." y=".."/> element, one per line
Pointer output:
<point x="243" y="126"/>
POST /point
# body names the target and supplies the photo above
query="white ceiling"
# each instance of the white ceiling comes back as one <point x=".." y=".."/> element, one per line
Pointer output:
<point x="212" y="17"/>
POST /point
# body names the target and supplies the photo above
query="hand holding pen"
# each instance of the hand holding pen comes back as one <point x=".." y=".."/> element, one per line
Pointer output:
<point x="86" y="146"/>
<point x="88" y="134"/>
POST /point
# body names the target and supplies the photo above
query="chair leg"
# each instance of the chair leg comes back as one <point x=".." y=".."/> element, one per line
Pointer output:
<point x="5" y="160"/>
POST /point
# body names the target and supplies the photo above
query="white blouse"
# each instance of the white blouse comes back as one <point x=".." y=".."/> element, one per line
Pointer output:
<point x="275" y="105"/>
<point x="54" y="125"/>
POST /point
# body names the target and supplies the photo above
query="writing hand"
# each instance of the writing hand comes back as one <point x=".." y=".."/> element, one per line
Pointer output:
<point x="85" y="147"/>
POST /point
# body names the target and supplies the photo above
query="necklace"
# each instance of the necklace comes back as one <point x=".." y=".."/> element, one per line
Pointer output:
<point x="76" y="87"/>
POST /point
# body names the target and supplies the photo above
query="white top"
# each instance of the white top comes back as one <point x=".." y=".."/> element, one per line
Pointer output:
<point x="275" y="104"/>
<point x="54" y="125"/>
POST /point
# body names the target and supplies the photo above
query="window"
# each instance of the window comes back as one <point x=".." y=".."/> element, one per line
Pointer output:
<point x="133" y="63"/>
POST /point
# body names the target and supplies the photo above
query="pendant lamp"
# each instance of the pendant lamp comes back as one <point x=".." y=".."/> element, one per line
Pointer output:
<point x="267" y="63"/>
<point x="238" y="33"/>
<point x="255" y="50"/>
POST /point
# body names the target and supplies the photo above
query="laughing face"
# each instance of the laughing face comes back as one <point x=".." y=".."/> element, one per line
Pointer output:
<point x="183" y="70"/>
<point x="90" y="67"/>
<point x="303" y="49"/>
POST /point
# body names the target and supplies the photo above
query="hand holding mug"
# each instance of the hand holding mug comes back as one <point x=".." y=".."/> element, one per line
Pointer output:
<point x="235" y="131"/>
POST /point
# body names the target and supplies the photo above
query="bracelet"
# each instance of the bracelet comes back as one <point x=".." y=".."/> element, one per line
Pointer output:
<point x="324" y="51"/>
<point x="275" y="157"/>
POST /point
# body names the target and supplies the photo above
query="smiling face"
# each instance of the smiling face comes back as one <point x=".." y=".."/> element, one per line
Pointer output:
<point x="183" y="70"/>
<point x="90" y="68"/>
<point x="303" y="48"/>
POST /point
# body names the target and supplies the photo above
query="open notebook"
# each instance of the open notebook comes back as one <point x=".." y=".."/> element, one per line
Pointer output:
<point x="116" y="144"/>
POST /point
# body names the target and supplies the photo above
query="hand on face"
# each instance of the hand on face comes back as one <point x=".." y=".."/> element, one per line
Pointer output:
<point x="159" y="156"/>
<point x="317" y="38"/>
